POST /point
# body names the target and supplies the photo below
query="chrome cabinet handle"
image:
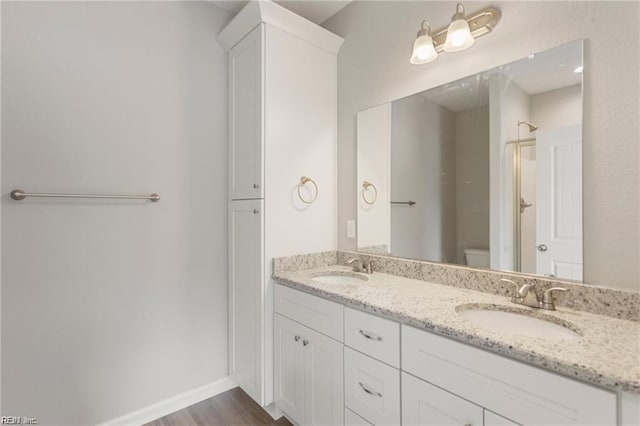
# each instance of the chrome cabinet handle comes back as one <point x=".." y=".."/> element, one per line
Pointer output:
<point x="305" y="342"/>
<point x="543" y="247"/>
<point x="369" y="391"/>
<point x="296" y="338"/>
<point x="256" y="186"/>
<point x="256" y="211"/>
<point x="370" y="336"/>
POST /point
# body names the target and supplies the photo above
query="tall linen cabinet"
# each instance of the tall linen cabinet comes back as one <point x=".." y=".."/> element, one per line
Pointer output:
<point x="282" y="126"/>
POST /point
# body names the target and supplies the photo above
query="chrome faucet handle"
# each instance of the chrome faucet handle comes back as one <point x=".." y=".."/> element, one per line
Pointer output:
<point x="547" y="298"/>
<point x="356" y="263"/>
<point x="515" y="290"/>
<point x="369" y="267"/>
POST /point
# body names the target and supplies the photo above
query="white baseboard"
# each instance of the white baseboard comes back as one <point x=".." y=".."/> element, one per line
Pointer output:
<point x="173" y="404"/>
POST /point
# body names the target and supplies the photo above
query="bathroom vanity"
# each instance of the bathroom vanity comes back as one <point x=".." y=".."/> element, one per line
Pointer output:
<point x="384" y="349"/>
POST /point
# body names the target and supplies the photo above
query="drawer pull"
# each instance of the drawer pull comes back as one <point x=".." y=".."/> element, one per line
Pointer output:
<point x="369" y="391"/>
<point x="296" y="338"/>
<point x="370" y="336"/>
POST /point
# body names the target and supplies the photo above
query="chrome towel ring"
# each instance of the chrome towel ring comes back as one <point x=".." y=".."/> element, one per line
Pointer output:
<point x="303" y="181"/>
<point x="365" y="188"/>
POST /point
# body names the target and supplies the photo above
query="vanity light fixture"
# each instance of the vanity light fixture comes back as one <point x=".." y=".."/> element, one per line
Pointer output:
<point x="459" y="35"/>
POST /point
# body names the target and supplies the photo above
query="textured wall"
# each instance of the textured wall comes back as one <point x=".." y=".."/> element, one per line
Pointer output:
<point x="374" y="68"/>
<point x="110" y="306"/>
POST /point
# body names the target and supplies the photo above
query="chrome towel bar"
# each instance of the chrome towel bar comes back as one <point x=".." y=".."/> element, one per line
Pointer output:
<point x="19" y="194"/>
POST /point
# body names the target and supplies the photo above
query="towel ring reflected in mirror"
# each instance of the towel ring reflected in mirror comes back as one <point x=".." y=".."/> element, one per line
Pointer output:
<point x="303" y="181"/>
<point x="365" y="188"/>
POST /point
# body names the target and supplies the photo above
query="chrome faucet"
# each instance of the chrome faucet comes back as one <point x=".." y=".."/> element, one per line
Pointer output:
<point x="360" y="265"/>
<point x="526" y="294"/>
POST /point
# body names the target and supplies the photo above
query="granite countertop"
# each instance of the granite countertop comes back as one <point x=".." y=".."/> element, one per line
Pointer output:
<point x="607" y="354"/>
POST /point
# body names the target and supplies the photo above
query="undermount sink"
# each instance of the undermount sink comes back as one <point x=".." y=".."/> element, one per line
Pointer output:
<point x="339" y="277"/>
<point x="518" y="322"/>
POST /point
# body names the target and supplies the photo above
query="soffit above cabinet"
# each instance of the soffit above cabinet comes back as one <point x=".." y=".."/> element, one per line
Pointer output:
<point x="269" y="12"/>
<point x="316" y="11"/>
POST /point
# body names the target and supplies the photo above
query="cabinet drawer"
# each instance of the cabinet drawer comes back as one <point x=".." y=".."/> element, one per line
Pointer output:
<point x="520" y="392"/>
<point x="372" y="389"/>
<point x="375" y="336"/>
<point x="316" y="313"/>
<point x="492" y="419"/>
<point x="427" y="405"/>
<point x="352" y="419"/>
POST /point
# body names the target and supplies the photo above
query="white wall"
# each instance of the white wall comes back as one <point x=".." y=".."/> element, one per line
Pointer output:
<point x="556" y="108"/>
<point x="423" y="169"/>
<point x="109" y="306"/>
<point x="374" y="68"/>
<point x="472" y="180"/>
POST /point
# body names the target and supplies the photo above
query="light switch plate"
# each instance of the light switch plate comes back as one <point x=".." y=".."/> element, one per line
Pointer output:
<point x="351" y="229"/>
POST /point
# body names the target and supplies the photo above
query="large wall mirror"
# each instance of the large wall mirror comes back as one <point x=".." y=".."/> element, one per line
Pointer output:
<point x="485" y="171"/>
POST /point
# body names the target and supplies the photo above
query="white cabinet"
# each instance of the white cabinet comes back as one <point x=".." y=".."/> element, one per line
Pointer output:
<point x="314" y="312"/>
<point x="492" y="419"/>
<point x="245" y="294"/>
<point x="308" y="374"/>
<point x="245" y="117"/>
<point x="517" y="391"/>
<point x="426" y="405"/>
<point x="282" y="125"/>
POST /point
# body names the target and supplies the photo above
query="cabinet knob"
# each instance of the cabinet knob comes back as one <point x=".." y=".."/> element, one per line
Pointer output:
<point x="256" y="186"/>
<point x="305" y="342"/>
<point x="296" y="338"/>
<point x="256" y="211"/>
<point x="543" y="247"/>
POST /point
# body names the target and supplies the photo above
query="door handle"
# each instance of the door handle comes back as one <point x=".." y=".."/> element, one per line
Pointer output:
<point x="543" y="247"/>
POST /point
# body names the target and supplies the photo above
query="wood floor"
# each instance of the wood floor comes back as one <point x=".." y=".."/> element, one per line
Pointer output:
<point x="233" y="407"/>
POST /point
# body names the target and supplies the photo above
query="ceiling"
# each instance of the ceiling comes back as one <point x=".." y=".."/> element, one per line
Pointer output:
<point x="316" y="11"/>
<point x="539" y="73"/>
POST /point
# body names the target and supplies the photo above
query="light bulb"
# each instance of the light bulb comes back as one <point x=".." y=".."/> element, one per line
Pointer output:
<point x="458" y="34"/>
<point x="423" y="48"/>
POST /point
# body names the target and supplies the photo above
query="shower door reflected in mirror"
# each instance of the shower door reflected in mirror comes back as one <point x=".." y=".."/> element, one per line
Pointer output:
<point x="485" y="171"/>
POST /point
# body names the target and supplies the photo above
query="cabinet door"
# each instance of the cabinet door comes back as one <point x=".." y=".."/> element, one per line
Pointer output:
<point x="492" y="419"/>
<point x="246" y="117"/>
<point x="289" y="367"/>
<point x="427" y="405"/>
<point x="323" y="371"/>
<point x="246" y="295"/>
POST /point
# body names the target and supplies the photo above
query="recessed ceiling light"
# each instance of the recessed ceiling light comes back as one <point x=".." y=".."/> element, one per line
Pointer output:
<point x="579" y="69"/>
